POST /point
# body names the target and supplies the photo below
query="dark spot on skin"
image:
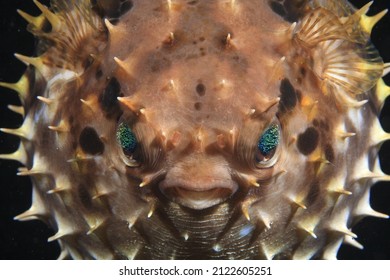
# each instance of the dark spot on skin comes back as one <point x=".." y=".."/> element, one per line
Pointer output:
<point x="290" y="10"/>
<point x="308" y="141"/>
<point x="114" y="21"/>
<point x="202" y="39"/>
<point x="88" y="62"/>
<point x="109" y="98"/>
<point x="194" y="2"/>
<point x="240" y="62"/>
<point x="325" y="125"/>
<point x="302" y="70"/>
<point x="288" y="97"/>
<point x="278" y="8"/>
<point x="198" y="106"/>
<point x="159" y="64"/>
<point x="201" y="89"/>
<point x="314" y="193"/>
<point x="321" y="124"/>
<point x="98" y="74"/>
<point x="126" y="6"/>
<point x="329" y="153"/>
<point x="112" y="9"/>
<point x="90" y="142"/>
<point x="84" y="196"/>
<point x="71" y="120"/>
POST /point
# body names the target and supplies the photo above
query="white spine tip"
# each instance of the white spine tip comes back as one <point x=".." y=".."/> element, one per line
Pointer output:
<point x="255" y="183"/>
<point x="29" y="215"/>
<point x="217" y="248"/>
<point x="351" y="241"/>
<point x="109" y="25"/>
<point x="292" y="30"/>
<point x="45" y="100"/>
<point x="57" y="236"/>
<point x="310" y="232"/>
<point x="186" y="236"/>
<point x="300" y="205"/>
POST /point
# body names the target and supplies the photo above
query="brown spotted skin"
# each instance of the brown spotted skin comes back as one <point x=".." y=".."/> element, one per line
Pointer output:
<point x="199" y="82"/>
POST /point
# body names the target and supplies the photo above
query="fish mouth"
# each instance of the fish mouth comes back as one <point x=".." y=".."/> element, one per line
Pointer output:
<point x="199" y="197"/>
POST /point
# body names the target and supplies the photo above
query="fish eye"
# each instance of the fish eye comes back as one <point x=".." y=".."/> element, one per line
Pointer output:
<point x="127" y="139"/>
<point x="267" y="146"/>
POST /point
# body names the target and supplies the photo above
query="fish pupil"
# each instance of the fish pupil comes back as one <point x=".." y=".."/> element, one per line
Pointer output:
<point x="126" y="138"/>
<point x="268" y="143"/>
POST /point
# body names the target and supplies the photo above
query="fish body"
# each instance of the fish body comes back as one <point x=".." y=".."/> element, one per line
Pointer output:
<point x="206" y="129"/>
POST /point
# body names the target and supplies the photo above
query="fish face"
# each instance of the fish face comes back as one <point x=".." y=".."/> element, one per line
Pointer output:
<point x="207" y="129"/>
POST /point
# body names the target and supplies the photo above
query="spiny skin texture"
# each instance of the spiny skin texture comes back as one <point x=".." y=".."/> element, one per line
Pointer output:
<point x="192" y="109"/>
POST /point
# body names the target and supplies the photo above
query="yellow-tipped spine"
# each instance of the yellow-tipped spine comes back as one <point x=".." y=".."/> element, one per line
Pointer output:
<point x="37" y="22"/>
<point x="50" y="16"/>
<point x="368" y="23"/>
<point x="382" y="91"/>
<point x="19" y="155"/>
<point x="17" y="109"/>
<point x="21" y="87"/>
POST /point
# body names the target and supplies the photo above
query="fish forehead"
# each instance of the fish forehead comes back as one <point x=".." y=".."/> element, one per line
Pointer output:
<point x="206" y="63"/>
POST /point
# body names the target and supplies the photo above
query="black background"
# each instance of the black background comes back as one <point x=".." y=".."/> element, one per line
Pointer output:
<point x="28" y="240"/>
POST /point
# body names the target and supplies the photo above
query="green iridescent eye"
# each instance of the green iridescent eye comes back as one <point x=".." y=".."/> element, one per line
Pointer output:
<point x="126" y="138"/>
<point x="267" y="144"/>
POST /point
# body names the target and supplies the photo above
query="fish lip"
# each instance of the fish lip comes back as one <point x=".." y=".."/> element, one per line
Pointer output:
<point x="199" y="197"/>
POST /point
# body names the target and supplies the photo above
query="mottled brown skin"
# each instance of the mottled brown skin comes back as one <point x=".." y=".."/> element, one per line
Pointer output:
<point x="199" y="82"/>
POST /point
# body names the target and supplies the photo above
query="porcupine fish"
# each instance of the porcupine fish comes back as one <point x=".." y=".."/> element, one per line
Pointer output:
<point x="201" y="129"/>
